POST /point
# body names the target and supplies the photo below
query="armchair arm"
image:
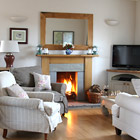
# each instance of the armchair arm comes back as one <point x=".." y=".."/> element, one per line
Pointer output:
<point x="115" y="110"/>
<point x="20" y="102"/>
<point x="129" y="102"/>
<point x="59" y="87"/>
<point x="43" y="95"/>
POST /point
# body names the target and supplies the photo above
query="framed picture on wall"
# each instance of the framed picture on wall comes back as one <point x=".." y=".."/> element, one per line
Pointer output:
<point x="60" y="37"/>
<point x="19" y="34"/>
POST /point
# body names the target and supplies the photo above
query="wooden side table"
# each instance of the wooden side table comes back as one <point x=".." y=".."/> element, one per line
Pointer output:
<point x="4" y="69"/>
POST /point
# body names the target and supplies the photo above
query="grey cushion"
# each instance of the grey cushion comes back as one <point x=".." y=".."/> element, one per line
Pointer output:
<point x="57" y="96"/>
<point x="28" y="88"/>
<point x="23" y="75"/>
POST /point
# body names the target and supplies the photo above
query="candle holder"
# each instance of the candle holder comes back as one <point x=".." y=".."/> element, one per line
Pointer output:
<point x="90" y="51"/>
<point x="95" y="50"/>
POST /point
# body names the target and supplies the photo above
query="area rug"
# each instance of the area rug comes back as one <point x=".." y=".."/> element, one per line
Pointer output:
<point x="80" y="105"/>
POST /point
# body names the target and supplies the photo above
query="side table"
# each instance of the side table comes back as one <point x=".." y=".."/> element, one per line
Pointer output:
<point x="106" y="104"/>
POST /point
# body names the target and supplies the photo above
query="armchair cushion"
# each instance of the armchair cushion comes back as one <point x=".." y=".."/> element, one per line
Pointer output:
<point x="28" y="88"/>
<point x="20" y="102"/>
<point x="16" y="91"/>
<point x="129" y="102"/>
<point x="51" y="108"/>
<point x="42" y="82"/>
<point x="45" y="96"/>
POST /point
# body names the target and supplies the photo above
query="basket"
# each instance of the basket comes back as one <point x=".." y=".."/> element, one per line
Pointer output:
<point x="94" y="97"/>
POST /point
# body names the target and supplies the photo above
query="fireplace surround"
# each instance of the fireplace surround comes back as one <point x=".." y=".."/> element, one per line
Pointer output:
<point x="82" y="64"/>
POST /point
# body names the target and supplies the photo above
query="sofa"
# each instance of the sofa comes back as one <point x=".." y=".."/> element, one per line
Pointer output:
<point x="126" y="112"/>
<point x="24" y="77"/>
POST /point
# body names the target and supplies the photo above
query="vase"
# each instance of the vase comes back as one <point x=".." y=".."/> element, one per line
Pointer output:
<point x="68" y="51"/>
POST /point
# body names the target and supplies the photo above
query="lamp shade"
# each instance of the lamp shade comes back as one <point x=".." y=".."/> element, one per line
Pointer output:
<point x="9" y="46"/>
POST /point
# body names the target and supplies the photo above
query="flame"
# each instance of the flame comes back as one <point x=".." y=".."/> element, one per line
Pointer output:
<point x="71" y="87"/>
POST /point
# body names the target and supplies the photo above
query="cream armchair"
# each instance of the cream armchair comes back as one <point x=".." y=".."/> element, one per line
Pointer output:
<point x="37" y="114"/>
<point x="126" y="112"/>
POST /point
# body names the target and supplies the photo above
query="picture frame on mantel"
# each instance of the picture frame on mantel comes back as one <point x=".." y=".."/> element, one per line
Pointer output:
<point x="60" y="37"/>
<point x="19" y="34"/>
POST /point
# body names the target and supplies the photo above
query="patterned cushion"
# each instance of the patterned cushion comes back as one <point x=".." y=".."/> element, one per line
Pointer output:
<point x="16" y="91"/>
<point x="42" y="82"/>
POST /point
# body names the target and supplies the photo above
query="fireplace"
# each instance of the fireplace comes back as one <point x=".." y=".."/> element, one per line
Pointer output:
<point x="73" y="73"/>
<point x="71" y="80"/>
<point x="81" y="63"/>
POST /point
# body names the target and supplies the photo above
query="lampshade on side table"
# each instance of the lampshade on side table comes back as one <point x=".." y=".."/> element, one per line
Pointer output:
<point x="9" y="47"/>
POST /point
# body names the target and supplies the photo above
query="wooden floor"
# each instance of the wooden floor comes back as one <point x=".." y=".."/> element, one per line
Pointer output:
<point x="86" y="124"/>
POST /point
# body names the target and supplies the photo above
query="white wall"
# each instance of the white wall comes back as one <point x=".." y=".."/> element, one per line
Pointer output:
<point x="137" y="29"/>
<point x="104" y="35"/>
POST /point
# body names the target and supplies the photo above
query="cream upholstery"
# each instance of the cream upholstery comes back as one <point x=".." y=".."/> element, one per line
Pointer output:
<point x="126" y="114"/>
<point x="27" y="114"/>
<point x="6" y="80"/>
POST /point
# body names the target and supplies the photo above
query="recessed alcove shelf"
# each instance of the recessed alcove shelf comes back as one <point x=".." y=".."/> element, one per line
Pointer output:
<point x="124" y="77"/>
<point x="121" y="80"/>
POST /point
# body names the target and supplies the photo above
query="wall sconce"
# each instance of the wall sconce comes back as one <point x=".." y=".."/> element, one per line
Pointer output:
<point x="18" y="18"/>
<point x="111" y="22"/>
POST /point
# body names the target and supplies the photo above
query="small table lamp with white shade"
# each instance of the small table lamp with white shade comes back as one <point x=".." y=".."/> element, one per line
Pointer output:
<point x="9" y="47"/>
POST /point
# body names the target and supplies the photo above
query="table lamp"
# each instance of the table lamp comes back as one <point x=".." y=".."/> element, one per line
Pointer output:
<point x="9" y="47"/>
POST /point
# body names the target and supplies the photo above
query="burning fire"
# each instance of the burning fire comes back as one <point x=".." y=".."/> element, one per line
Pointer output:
<point x="71" y="87"/>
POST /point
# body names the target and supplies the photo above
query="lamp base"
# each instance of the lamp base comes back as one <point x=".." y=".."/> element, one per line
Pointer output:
<point x="9" y="59"/>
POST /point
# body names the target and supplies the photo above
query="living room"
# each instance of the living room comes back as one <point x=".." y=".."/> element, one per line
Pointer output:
<point x="127" y="31"/>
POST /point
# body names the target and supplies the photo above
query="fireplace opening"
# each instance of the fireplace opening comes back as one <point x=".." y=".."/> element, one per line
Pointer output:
<point x="70" y="79"/>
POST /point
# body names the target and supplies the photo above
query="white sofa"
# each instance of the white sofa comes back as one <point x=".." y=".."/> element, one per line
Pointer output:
<point x="126" y="112"/>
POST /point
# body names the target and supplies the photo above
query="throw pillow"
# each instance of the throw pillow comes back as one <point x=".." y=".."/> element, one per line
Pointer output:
<point x="42" y="82"/>
<point x="16" y="91"/>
